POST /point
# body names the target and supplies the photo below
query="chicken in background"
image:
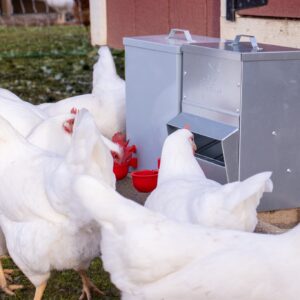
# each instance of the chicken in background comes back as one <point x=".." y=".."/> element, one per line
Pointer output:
<point x="48" y="133"/>
<point x="183" y="192"/>
<point x="22" y="115"/>
<point x="43" y="227"/>
<point x="151" y="257"/>
<point x="55" y="135"/>
<point x="62" y="7"/>
<point x="106" y="102"/>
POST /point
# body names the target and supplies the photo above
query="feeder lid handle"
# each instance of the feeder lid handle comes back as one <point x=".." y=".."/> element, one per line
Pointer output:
<point x="185" y="32"/>
<point x="252" y="38"/>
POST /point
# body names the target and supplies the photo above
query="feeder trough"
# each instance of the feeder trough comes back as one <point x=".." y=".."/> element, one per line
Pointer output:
<point x="153" y="89"/>
<point x="241" y="100"/>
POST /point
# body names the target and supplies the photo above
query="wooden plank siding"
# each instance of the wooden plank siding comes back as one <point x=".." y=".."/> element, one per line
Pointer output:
<point x="6" y="7"/>
<point x="146" y="17"/>
<point x="275" y="8"/>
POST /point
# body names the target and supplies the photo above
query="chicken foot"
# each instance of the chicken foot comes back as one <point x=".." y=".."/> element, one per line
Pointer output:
<point x="39" y="291"/>
<point x="7" y="289"/>
<point x="7" y="272"/>
<point x="88" y="285"/>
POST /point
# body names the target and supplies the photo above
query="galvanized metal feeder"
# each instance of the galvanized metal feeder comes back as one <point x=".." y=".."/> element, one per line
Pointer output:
<point x="153" y="89"/>
<point x="242" y="101"/>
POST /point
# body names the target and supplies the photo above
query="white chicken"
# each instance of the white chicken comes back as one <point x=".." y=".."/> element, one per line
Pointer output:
<point x="151" y="257"/>
<point x="184" y="193"/>
<point x="107" y="101"/>
<point x="40" y="129"/>
<point x="43" y="227"/>
<point x="4" y="93"/>
<point x="61" y="7"/>
<point x="22" y="115"/>
<point x="55" y="135"/>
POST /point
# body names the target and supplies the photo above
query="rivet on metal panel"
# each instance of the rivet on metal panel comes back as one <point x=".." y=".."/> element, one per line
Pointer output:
<point x="184" y="96"/>
<point x="288" y="170"/>
<point x="238" y="84"/>
<point x="274" y="132"/>
<point x="237" y="110"/>
<point x="184" y="73"/>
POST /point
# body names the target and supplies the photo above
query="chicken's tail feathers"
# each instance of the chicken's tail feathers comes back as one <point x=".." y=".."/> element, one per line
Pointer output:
<point x="106" y="59"/>
<point x="250" y="190"/>
<point x="88" y="153"/>
<point x="241" y="199"/>
<point x="261" y="180"/>
<point x="103" y="203"/>
<point x="84" y="139"/>
<point x="104" y="74"/>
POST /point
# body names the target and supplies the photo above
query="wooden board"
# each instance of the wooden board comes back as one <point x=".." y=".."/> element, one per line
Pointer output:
<point x="144" y="17"/>
<point x="275" y="8"/>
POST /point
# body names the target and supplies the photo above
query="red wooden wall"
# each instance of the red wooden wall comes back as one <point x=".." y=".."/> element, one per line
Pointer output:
<point x="276" y="8"/>
<point x="146" y="17"/>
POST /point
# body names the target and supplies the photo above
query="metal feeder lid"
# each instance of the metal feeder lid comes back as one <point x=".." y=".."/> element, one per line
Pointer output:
<point x="171" y="43"/>
<point x="243" y="51"/>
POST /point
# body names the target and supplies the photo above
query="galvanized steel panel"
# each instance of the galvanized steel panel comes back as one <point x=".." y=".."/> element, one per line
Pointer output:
<point x="211" y="83"/>
<point x="270" y="122"/>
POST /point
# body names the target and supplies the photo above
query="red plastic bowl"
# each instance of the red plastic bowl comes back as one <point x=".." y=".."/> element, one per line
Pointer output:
<point x="145" y="181"/>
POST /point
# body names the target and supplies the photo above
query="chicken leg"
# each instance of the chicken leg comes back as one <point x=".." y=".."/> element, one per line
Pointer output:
<point x="87" y="286"/>
<point x="39" y="291"/>
<point x="7" y="289"/>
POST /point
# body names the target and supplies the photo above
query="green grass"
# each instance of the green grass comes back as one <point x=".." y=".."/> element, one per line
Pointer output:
<point x="63" y="285"/>
<point x="47" y="64"/>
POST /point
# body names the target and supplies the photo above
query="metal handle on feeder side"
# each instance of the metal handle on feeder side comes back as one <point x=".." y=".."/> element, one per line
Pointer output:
<point x="186" y="34"/>
<point x="252" y="41"/>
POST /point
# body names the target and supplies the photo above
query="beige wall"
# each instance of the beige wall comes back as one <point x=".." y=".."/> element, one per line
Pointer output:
<point x="284" y="32"/>
<point x="98" y="22"/>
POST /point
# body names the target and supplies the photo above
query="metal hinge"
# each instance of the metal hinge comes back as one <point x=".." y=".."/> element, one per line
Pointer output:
<point x="233" y="5"/>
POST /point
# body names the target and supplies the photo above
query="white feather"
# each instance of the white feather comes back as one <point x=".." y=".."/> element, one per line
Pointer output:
<point x="50" y="135"/>
<point x="107" y="101"/>
<point x="44" y="227"/>
<point x="4" y="93"/>
<point x="184" y="193"/>
<point x="22" y="115"/>
<point x="150" y="257"/>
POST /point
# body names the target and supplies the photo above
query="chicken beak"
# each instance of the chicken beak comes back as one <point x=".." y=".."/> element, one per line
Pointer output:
<point x="194" y="147"/>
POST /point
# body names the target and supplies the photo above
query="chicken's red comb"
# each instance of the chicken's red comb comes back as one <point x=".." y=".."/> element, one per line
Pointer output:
<point x="187" y="126"/>
<point x="74" y="110"/>
<point x="68" y="125"/>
